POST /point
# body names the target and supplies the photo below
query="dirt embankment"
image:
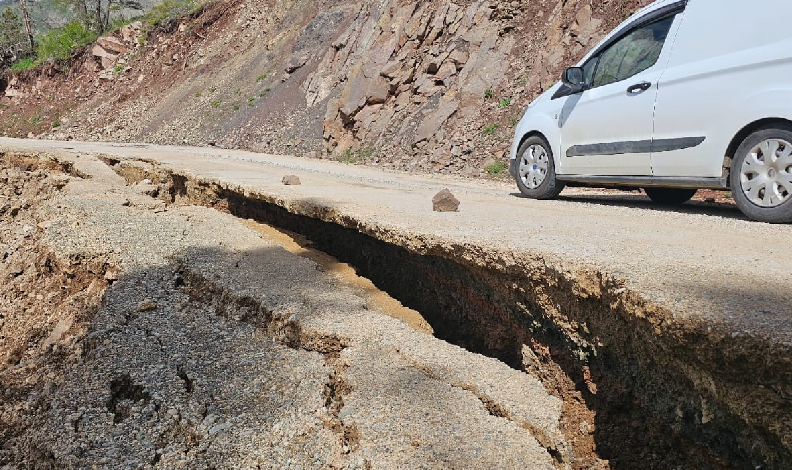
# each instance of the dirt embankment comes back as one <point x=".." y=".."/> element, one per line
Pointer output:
<point x="426" y="86"/>
<point x="46" y="300"/>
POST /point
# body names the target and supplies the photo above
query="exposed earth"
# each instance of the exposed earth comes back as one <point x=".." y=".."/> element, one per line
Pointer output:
<point x="203" y="343"/>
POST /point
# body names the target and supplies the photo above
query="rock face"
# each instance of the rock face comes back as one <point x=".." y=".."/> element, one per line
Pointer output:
<point x="108" y="49"/>
<point x="444" y="201"/>
<point x="430" y="86"/>
<point x="403" y="71"/>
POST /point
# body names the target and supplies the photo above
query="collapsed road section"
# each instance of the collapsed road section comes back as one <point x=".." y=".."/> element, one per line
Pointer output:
<point x="664" y="393"/>
<point x="643" y="380"/>
<point x="137" y="334"/>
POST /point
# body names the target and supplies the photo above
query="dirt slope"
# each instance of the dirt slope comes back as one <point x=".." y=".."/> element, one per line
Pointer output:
<point x="428" y="86"/>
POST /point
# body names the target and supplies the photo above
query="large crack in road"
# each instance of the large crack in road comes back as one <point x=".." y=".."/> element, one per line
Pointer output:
<point x="213" y="347"/>
<point x="638" y="390"/>
<point x="635" y="385"/>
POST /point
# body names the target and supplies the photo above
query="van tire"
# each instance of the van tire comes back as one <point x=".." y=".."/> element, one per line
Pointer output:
<point x="780" y="214"/>
<point x="550" y="187"/>
<point x="670" y="196"/>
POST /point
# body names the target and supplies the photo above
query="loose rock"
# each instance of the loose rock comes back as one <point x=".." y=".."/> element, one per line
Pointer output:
<point x="147" y="305"/>
<point x="444" y="201"/>
<point x="291" y="180"/>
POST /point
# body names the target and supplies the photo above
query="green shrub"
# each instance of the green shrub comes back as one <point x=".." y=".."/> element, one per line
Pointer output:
<point x="166" y="11"/>
<point x="59" y="43"/>
<point x="489" y="130"/>
<point x="504" y="103"/>
<point x="24" y="64"/>
<point x="497" y="169"/>
<point x="360" y="154"/>
<point x="489" y="94"/>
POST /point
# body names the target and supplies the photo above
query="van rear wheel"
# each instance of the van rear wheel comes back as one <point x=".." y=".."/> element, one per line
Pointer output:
<point x="761" y="176"/>
<point x="670" y="196"/>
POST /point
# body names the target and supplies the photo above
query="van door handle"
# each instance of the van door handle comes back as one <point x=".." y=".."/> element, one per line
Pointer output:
<point x="639" y="87"/>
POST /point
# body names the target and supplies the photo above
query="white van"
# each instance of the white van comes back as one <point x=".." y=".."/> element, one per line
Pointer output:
<point x="684" y="95"/>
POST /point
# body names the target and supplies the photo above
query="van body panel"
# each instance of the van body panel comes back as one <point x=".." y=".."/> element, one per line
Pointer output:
<point x="571" y="120"/>
<point x="630" y="118"/>
<point x="719" y="80"/>
<point x="725" y="64"/>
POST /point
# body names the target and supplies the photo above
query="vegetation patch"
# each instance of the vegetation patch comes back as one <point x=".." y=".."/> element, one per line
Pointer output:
<point x="24" y="64"/>
<point x="491" y="129"/>
<point x="167" y="11"/>
<point x="356" y="155"/>
<point x="59" y="43"/>
<point x="497" y="169"/>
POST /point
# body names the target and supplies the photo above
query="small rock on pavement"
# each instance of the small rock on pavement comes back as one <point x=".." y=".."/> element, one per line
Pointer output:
<point x="291" y="180"/>
<point x="112" y="275"/>
<point x="147" y="305"/>
<point x="444" y="201"/>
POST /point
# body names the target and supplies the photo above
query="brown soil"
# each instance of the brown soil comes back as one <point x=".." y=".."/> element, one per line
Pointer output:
<point x="345" y="275"/>
<point x="46" y="303"/>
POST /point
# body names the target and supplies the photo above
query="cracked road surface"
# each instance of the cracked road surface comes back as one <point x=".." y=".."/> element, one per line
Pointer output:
<point x="664" y="335"/>
<point x="213" y="347"/>
<point x="703" y="262"/>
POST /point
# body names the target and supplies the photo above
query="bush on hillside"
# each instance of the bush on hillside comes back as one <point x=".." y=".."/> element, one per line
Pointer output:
<point x="24" y="64"/>
<point x="168" y="10"/>
<point x="59" y="43"/>
<point x="14" y="43"/>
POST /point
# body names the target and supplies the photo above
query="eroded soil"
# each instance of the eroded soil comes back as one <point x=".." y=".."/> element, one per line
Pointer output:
<point x="176" y="335"/>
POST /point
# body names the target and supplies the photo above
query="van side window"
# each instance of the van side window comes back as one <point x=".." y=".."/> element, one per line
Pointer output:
<point x="632" y="54"/>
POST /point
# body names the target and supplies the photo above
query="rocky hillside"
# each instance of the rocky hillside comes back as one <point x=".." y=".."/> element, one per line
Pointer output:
<point x="430" y="86"/>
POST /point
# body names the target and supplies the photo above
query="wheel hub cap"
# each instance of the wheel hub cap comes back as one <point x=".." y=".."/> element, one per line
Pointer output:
<point x="534" y="164"/>
<point x="766" y="173"/>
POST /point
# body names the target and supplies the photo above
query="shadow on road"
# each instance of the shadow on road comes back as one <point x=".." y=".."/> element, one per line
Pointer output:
<point x="636" y="201"/>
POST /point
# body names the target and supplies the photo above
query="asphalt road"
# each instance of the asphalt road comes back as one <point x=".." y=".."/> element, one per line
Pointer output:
<point x="702" y="262"/>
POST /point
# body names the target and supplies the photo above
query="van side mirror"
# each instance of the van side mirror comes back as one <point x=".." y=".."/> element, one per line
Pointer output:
<point x="574" y="78"/>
